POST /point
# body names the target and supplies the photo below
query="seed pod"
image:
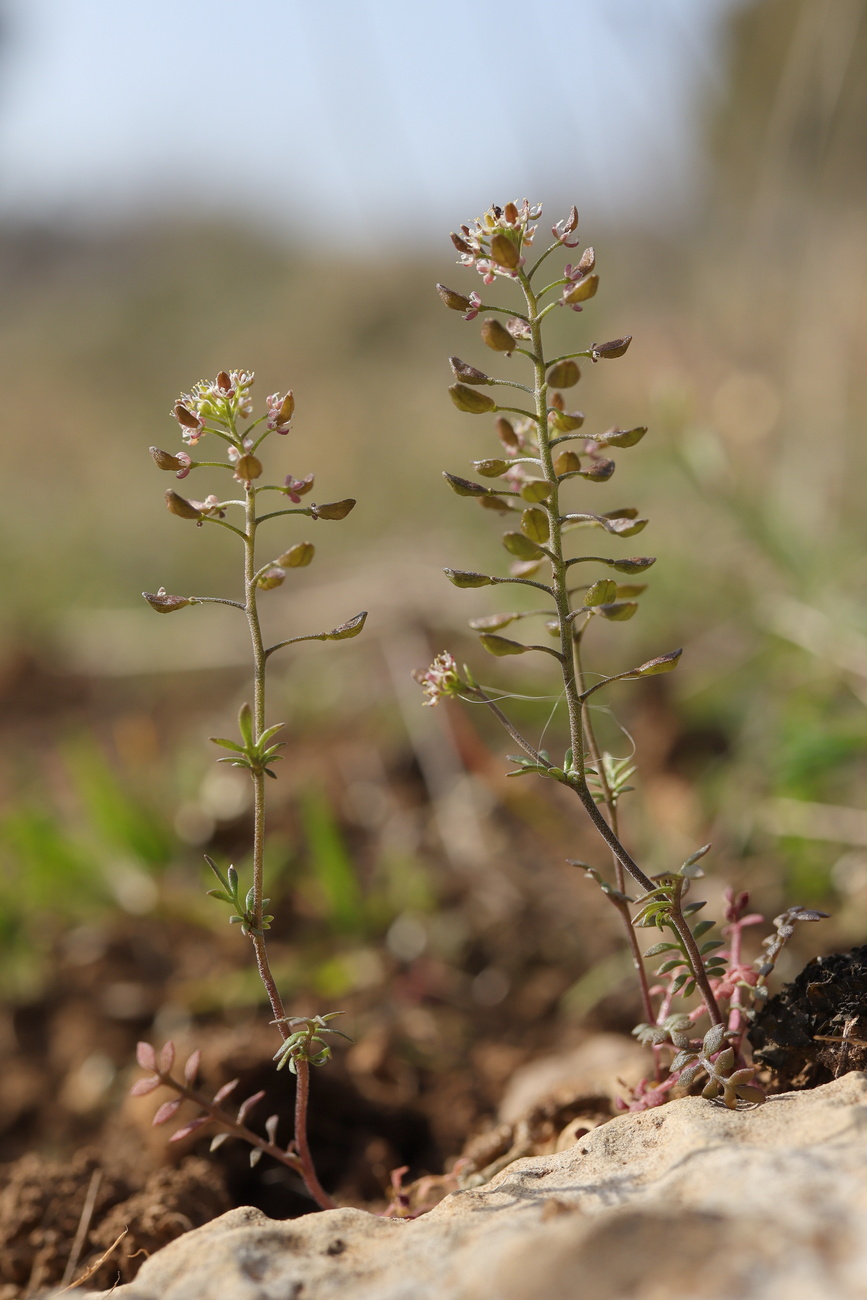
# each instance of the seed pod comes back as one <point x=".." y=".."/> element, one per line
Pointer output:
<point x="510" y="212"/>
<point x="248" y="467"/>
<point x="501" y="645"/>
<point x="185" y="417"/>
<point x="490" y="468"/>
<point x="568" y="462"/>
<point x="505" y="252"/>
<point x="468" y="374"/>
<point x="165" y="459"/>
<point x="497" y="337"/>
<point x="457" y="301"/>
<point x="465" y="487"/>
<point x="271" y="578"/>
<point x="565" y="374"/>
<point x="536" y="490"/>
<point x="333" y="509"/>
<point x="181" y="507"/>
<point x="567" y="421"/>
<point x="521" y="547"/>
<point x="164" y="604"/>
<point x="467" y="399"/>
<point x="583" y="290"/>
<point x="534" y="524"/>
<point x="297" y="557"/>
<point x="615" y="348"/>
<point x="587" y="261"/>
<point x="463" y="578"/>
<point x="460" y="243"/>
<point x="348" y="629"/>
<point x="507" y="435"/>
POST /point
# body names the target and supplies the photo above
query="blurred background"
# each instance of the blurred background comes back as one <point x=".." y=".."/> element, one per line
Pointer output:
<point x="187" y="186"/>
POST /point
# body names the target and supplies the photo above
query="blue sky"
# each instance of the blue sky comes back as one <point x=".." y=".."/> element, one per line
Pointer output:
<point x="382" y="117"/>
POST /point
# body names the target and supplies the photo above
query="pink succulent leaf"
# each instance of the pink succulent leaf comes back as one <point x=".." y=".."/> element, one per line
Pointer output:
<point x="167" y="1110"/>
<point x="271" y="1128"/>
<point x="191" y="1069"/>
<point x="142" y="1087"/>
<point x="246" y="1106"/>
<point x="222" y="1093"/>
<point x="146" y="1056"/>
<point x="167" y="1057"/>
<point x="190" y="1128"/>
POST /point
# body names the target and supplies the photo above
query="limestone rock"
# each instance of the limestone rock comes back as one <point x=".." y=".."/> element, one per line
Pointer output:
<point x="689" y="1200"/>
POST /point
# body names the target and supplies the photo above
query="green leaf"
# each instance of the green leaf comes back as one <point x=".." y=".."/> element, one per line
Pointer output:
<point x="711" y="945"/>
<point x="705" y="848"/>
<point x="501" y="645"/>
<point x="669" y="965"/>
<point x="227" y="744"/>
<point x="693" y="907"/>
<point x="245" y="724"/>
<point x="662" y="947"/>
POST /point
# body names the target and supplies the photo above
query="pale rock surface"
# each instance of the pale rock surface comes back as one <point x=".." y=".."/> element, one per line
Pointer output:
<point x="687" y="1202"/>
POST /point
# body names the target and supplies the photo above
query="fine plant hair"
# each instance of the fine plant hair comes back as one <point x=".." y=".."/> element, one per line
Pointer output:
<point x="224" y="409"/>
<point x="543" y="455"/>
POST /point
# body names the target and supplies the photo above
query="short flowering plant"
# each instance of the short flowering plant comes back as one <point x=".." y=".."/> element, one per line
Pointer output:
<point x="223" y="410"/>
<point x="544" y="452"/>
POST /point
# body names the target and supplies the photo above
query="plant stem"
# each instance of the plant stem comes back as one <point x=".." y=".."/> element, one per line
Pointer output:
<point x="560" y="592"/>
<point x="302" y="1097"/>
<point x="259" y="660"/>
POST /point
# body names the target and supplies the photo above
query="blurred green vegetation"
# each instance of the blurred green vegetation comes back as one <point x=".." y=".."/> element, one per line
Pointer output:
<point x="748" y="365"/>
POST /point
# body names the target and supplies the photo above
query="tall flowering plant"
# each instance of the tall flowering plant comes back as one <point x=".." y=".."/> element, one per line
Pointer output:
<point x="544" y="452"/>
<point x="223" y="409"/>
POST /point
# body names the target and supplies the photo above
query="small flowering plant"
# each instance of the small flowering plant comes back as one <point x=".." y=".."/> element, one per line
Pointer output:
<point x="224" y="410"/>
<point x="544" y="452"/>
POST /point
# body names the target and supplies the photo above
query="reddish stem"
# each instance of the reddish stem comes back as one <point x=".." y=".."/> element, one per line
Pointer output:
<point x="308" y="1169"/>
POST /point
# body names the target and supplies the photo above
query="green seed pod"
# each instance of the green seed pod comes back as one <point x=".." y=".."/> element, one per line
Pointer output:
<point x="248" y="467"/>
<point x="603" y="592"/>
<point x="297" y="557"/>
<point x="333" y="509"/>
<point x="462" y="578"/>
<point x="501" y="645"/>
<point x="468" y="374"/>
<point x="457" y="301"/>
<point x="521" y="547"/>
<point x="348" y="629"/>
<point x="164" y="604"/>
<point x="583" y="290"/>
<point x="621" y="437"/>
<point x="497" y="337"/>
<point x="272" y="578"/>
<point x="568" y="462"/>
<point x="505" y="252"/>
<point x="567" y="421"/>
<point x="467" y="399"/>
<point x="490" y="468"/>
<point x="536" y="490"/>
<point x="565" y="374"/>
<point x="165" y="459"/>
<point x="534" y="524"/>
<point x="181" y="507"/>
